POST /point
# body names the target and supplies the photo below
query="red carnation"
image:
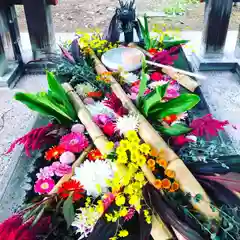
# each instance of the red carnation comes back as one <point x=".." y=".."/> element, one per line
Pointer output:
<point x="109" y="129"/>
<point x="156" y="76"/>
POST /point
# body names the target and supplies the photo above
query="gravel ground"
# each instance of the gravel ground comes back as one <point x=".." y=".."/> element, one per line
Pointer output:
<point x="15" y="118"/>
<point x="70" y="15"/>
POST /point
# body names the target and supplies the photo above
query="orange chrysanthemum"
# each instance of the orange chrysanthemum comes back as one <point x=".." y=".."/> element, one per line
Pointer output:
<point x="162" y="162"/>
<point x="151" y="163"/>
<point x="169" y="173"/>
<point x="153" y="152"/>
<point x="54" y="152"/>
<point x="174" y="187"/>
<point x="158" y="184"/>
<point x="166" y="184"/>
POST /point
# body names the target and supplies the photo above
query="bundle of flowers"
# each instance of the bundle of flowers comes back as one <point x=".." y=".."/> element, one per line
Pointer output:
<point x="122" y="156"/>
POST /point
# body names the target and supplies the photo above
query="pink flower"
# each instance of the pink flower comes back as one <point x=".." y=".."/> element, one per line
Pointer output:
<point x="67" y="158"/>
<point x="46" y="172"/>
<point x="130" y="214"/>
<point x="60" y="169"/>
<point x="172" y="93"/>
<point x="109" y="198"/>
<point x="88" y="100"/>
<point x="74" y="142"/>
<point x="44" y="185"/>
<point x="101" y="119"/>
<point x="78" y="128"/>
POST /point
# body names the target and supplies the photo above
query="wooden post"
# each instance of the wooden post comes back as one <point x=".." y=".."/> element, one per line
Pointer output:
<point x="40" y="27"/>
<point x="216" y="21"/>
<point x="3" y="60"/>
<point x="237" y="49"/>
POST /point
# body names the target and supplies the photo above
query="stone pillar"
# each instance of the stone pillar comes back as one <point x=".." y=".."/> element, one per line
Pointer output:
<point x="3" y="60"/>
<point x="14" y="32"/>
<point x="40" y="27"/>
<point x="216" y="21"/>
<point x="237" y="49"/>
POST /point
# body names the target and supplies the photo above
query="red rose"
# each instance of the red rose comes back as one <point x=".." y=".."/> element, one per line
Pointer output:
<point x="109" y="129"/>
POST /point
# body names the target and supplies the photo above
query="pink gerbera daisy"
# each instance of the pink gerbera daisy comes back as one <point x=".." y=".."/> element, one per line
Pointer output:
<point x="44" y="185"/>
<point x="74" y="142"/>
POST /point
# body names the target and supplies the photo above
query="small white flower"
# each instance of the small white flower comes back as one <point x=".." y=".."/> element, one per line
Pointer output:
<point x="99" y="108"/>
<point x="85" y="221"/>
<point x="129" y="77"/>
<point x="153" y="85"/>
<point x="127" y="123"/>
<point x="91" y="174"/>
<point x="192" y="137"/>
<point x="84" y="88"/>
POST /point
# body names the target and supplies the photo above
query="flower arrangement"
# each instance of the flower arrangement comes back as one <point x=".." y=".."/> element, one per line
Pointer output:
<point x="115" y="177"/>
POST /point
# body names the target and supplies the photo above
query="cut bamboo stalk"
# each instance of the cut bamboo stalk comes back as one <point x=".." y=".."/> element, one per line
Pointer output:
<point x="174" y="73"/>
<point x="77" y="163"/>
<point x="162" y="233"/>
<point x="185" y="178"/>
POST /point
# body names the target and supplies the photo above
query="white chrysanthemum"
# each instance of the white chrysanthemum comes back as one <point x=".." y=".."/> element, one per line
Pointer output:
<point x="99" y="108"/>
<point x="153" y="85"/>
<point x="129" y="77"/>
<point x="85" y="221"/>
<point x="93" y="174"/>
<point x="84" y="88"/>
<point x="127" y="123"/>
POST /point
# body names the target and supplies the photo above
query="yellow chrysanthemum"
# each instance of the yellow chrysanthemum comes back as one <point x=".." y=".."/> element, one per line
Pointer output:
<point x="132" y="168"/>
<point x="132" y="136"/>
<point x="139" y="176"/>
<point x="122" y="158"/>
<point x="145" y="148"/>
<point x="123" y="233"/>
<point x="142" y="160"/>
<point x="109" y="217"/>
<point x="134" y="146"/>
<point x="124" y="144"/>
<point x="128" y="189"/>
<point x="135" y="156"/>
<point x="113" y="238"/>
<point x="100" y="207"/>
<point x="120" y="150"/>
<point x="134" y="200"/>
<point x="120" y="200"/>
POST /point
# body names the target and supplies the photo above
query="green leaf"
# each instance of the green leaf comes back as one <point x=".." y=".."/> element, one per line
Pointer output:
<point x="40" y="103"/>
<point x="173" y="43"/>
<point x="143" y="82"/>
<point x="156" y="97"/>
<point x="174" y="130"/>
<point x="37" y="218"/>
<point x="68" y="211"/>
<point x="58" y="92"/>
<point x="177" y="105"/>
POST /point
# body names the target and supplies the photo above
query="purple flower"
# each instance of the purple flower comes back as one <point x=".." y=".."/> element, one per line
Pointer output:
<point x="46" y="172"/>
<point x="60" y="169"/>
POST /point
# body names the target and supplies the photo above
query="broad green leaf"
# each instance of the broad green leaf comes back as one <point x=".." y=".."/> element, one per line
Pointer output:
<point x="58" y="92"/>
<point x="173" y="43"/>
<point x="147" y="31"/>
<point x="68" y="211"/>
<point x="40" y="103"/>
<point x="174" y="130"/>
<point x="177" y="105"/>
<point x="155" y="98"/>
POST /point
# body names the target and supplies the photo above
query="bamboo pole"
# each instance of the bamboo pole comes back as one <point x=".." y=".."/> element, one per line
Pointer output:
<point x="185" y="178"/>
<point x="160" y="232"/>
<point x="183" y="79"/>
